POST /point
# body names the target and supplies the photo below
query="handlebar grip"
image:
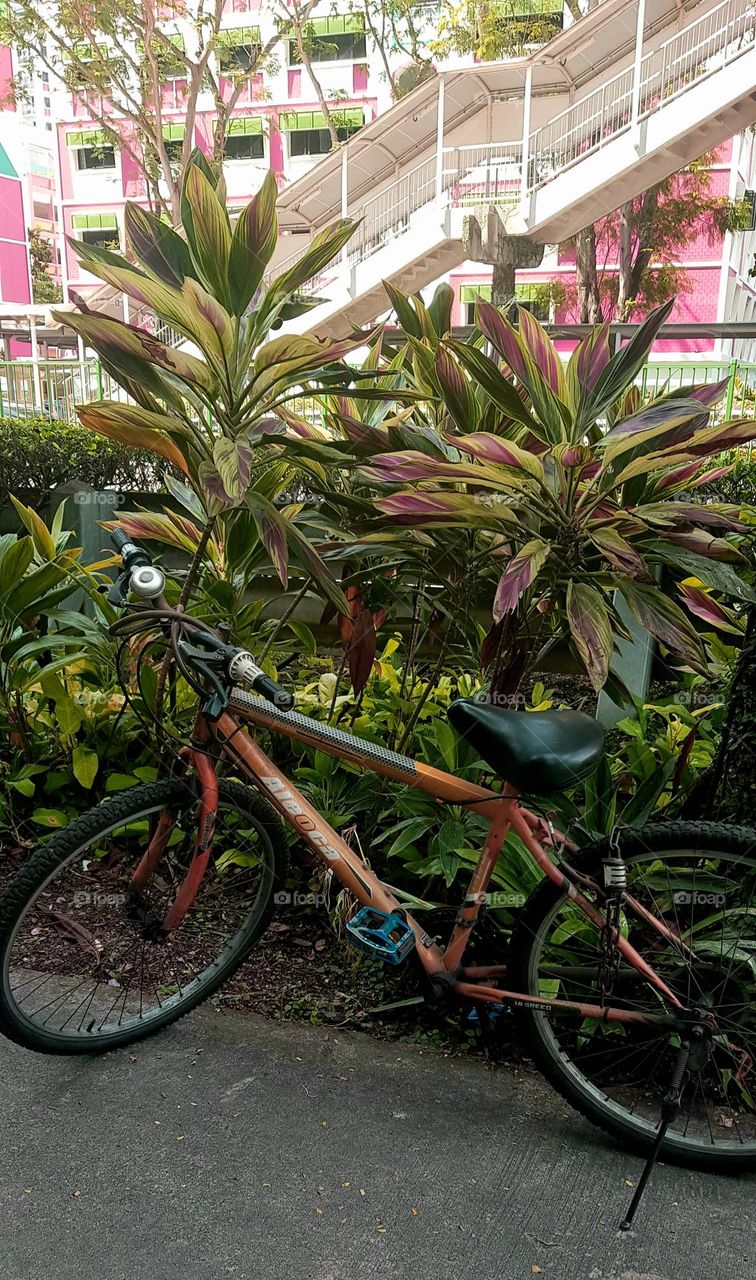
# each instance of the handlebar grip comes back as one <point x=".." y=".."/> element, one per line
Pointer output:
<point x="274" y="692"/>
<point x="119" y="538"/>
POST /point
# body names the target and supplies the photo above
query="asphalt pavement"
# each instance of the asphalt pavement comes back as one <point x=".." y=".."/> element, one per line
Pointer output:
<point x="232" y="1146"/>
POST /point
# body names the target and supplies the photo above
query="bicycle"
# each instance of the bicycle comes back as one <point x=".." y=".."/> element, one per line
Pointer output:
<point x="630" y="968"/>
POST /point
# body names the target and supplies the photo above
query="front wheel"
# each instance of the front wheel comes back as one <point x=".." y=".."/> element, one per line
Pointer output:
<point x="700" y="879"/>
<point x="84" y="963"/>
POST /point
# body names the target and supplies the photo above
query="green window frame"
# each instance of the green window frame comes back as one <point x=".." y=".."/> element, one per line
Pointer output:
<point x="238" y="49"/>
<point x="308" y="133"/>
<point x="91" y="148"/>
<point x="98" y="229"/>
<point x="173" y="137"/>
<point x="530" y="296"/>
<point x="340" y="38"/>
<point x="245" y="138"/>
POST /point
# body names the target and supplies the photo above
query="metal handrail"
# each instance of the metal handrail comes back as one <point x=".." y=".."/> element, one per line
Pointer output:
<point x="701" y="48"/>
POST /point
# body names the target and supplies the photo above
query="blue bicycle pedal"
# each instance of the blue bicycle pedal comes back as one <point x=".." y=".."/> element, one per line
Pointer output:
<point x="386" y="936"/>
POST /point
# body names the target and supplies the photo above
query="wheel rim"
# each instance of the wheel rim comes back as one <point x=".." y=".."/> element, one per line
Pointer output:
<point x="709" y="900"/>
<point x="82" y="963"/>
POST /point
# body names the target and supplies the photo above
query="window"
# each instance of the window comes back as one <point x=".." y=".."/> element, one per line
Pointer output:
<point x="535" y="298"/>
<point x="173" y="137"/>
<point x="308" y="130"/>
<point x="98" y="229"/>
<point x="338" y="39"/>
<point x="92" y="149"/>
<point x="42" y="210"/>
<point x="245" y="140"/>
<point x="238" y="50"/>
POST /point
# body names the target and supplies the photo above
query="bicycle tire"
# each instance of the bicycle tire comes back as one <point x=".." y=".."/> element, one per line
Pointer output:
<point x="62" y="848"/>
<point x="534" y="1027"/>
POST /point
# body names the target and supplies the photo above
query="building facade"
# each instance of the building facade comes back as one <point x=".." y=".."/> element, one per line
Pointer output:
<point x="277" y="123"/>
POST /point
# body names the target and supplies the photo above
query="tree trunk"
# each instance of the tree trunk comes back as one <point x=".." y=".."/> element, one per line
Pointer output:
<point x="624" y="287"/>
<point x="589" y="298"/>
<point x="637" y="238"/>
<point x="503" y="281"/>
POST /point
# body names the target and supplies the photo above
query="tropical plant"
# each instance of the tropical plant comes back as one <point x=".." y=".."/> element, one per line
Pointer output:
<point x="39" y="572"/>
<point x="42" y="453"/>
<point x="556" y="489"/>
<point x="211" y="415"/>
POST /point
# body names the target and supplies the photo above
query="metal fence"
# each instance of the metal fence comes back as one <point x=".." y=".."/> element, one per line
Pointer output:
<point x="52" y="388"/>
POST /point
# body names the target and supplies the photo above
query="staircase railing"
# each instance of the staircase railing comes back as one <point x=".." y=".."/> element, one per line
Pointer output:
<point x="705" y="46"/>
<point x="480" y="174"/>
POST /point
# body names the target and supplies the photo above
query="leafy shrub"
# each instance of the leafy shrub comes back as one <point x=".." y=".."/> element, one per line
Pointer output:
<point x="738" y="485"/>
<point x="36" y="453"/>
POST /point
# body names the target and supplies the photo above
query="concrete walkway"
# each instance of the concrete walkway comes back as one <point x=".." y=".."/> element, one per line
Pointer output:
<point x="237" y="1147"/>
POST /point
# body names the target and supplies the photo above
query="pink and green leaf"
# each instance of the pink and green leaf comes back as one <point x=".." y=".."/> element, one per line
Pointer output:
<point x="519" y="574"/>
<point x="591" y="630"/>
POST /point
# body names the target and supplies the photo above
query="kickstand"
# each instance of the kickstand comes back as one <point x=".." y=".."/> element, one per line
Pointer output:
<point x="669" y="1110"/>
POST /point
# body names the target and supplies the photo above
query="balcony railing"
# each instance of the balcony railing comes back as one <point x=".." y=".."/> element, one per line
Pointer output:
<point x="52" y="388"/>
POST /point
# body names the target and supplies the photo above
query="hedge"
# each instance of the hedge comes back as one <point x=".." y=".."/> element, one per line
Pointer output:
<point x="36" y="453"/>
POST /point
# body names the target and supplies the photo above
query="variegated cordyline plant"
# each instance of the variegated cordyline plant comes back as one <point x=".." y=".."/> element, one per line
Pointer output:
<point x="570" y="493"/>
<point x="210" y="405"/>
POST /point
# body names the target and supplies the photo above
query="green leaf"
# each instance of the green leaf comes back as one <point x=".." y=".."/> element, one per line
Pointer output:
<point x="25" y="786"/>
<point x="49" y="818"/>
<point x="624" y="366"/>
<point x="85" y="765"/>
<point x="665" y="621"/>
<point x="157" y="246"/>
<point x="500" y="391"/>
<point x="134" y="426"/>
<point x="14" y="562"/>
<point x="323" y="248"/>
<point x="638" y="810"/>
<point x="208" y="232"/>
<point x="591" y="629"/>
<point x="233" y="463"/>
<point x="305" y="638"/>
<point x="120" y="781"/>
<point x="714" y="573"/>
<point x="252" y="246"/>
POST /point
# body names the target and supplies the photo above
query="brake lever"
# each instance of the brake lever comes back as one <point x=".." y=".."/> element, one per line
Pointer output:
<point x="117" y="592"/>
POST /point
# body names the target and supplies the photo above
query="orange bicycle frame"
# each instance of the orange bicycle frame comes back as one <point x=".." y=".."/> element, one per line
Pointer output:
<point x="503" y="810"/>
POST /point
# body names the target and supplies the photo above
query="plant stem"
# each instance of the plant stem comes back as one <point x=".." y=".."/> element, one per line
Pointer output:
<point x="284" y="619"/>
<point x="423" y="698"/>
<point x="186" y="591"/>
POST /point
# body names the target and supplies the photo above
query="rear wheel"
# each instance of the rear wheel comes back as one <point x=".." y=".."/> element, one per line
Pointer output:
<point x="700" y="878"/>
<point x="83" y="965"/>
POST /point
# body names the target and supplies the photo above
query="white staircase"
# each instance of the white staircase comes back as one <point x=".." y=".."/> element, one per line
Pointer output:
<point x="677" y="84"/>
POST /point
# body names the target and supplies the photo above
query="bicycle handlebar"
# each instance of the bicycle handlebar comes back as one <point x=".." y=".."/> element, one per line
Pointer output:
<point x="146" y="580"/>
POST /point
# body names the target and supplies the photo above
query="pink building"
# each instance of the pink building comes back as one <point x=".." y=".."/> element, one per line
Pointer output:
<point x="715" y="284"/>
<point x="15" y="280"/>
<point x="278" y="124"/>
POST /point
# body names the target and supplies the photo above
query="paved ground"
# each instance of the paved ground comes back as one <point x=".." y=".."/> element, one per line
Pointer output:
<point x="236" y="1147"/>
